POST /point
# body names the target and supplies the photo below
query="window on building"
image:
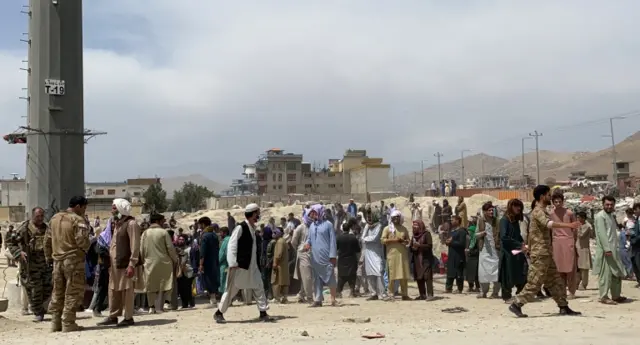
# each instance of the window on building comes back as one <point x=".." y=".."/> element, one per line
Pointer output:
<point x="274" y="177"/>
<point x="274" y="186"/>
<point x="136" y="193"/>
<point x="99" y="191"/>
<point x="262" y="177"/>
<point x="309" y="186"/>
<point x="291" y="177"/>
<point x="331" y="174"/>
<point x="317" y="186"/>
<point x="280" y="187"/>
<point x="307" y="175"/>
<point x="279" y="177"/>
<point x="124" y="190"/>
<point x="111" y="192"/>
<point x="332" y="185"/>
<point x="291" y="189"/>
<point x="292" y="166"/>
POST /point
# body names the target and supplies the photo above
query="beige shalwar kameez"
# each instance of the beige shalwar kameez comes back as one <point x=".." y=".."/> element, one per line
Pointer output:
<point x="461" y="211"/>
<point x="121" y="287"/>
<point x="397" y="256"/>
<point x="583" y="248"/>
<point x="280" y="272"/>
<point x="159" y="256"/>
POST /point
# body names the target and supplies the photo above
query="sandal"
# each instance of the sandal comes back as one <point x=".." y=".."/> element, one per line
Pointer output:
<point x="608" y="301"/>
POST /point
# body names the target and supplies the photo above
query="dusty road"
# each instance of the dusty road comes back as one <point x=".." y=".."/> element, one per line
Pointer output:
<point x="415" y="322"/>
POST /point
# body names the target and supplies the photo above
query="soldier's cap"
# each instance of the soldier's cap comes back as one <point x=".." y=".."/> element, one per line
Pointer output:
<point x="78" y="200"/>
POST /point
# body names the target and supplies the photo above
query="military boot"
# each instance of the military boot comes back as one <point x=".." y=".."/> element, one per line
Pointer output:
<point x="56" y="323"/>
<point x="71" y="328"/>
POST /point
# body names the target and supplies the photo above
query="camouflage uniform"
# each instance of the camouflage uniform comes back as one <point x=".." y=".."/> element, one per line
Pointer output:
<point x="35" y="271"/>
<point x="542" y="268"/>
<point x="69" y="244"/>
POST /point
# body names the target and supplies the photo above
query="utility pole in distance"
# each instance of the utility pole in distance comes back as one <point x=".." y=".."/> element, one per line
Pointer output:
<point x="537" y="135"/>
<point x="613" y="150"/>
<point x="462" y="164"/>
<point x="422" y="170"/>
<point x="524" y="184"/>
<point x="438" y="155"/>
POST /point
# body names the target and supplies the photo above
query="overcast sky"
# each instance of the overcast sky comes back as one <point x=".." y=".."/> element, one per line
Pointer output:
<point x="197" y="86"/>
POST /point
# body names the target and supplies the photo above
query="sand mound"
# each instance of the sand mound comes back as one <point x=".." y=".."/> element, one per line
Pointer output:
<point x="474" y="204"/>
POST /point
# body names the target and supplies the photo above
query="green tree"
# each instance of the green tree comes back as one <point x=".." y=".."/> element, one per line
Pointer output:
<point x="190" y="197"/>
<point x="155" y="199"/>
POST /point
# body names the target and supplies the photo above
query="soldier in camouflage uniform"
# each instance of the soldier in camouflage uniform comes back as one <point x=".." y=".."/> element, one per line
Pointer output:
<point x="542" y="268"/>
<point x="69" y="244"/>
<point x="28" y="246"/>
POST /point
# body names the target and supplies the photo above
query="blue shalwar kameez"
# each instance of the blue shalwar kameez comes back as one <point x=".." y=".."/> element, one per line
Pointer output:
<point x="322" y="239"/>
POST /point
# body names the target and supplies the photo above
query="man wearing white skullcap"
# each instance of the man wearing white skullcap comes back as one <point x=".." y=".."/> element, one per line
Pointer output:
<point x="242" y="257"/>
<point x="124" y="272"/>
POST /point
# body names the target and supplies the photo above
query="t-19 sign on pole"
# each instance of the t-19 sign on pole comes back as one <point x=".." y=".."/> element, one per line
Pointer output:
<point x="54" y="87"/>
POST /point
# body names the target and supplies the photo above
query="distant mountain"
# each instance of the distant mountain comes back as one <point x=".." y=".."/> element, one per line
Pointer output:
<point x="171" y="184"/>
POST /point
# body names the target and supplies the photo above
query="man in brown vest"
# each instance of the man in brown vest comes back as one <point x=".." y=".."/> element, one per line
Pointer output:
<point x="124" y="274"/>
<point x="69" y="242"/>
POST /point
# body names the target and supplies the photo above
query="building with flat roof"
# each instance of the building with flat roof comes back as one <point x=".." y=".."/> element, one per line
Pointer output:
<point x="14" y="191"/>
<point x="279" y="173"/>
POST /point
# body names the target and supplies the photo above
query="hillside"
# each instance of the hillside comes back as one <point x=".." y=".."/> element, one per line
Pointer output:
<point x="552" y="164"/>
<point x="171" y="184"/>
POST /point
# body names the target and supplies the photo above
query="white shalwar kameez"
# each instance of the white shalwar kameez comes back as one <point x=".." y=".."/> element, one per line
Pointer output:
<point x="373" y="260"/>
<point x="489" y="263"/>
<point x="238" y="278"/>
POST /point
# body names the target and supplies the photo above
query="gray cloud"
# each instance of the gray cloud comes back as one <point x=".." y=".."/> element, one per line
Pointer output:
<point x="207" y="85"/>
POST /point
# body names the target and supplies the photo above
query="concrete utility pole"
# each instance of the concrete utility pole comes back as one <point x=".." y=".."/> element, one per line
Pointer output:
<point x="422" y="171"/>
<point x="613" y="150"/>
<point x="55" y="121"/>
<point x="524" y="183"/>
<point x="537" y="135"/>
<point x="462" y="164"/>
<point x="393" y="178"/>
<point x="438" y="155"/>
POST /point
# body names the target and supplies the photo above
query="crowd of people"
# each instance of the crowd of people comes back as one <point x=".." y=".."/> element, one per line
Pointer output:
<point x="154" y="266"/>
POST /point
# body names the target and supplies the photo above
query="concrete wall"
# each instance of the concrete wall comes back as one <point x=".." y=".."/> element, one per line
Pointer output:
<point x="526" y="195"/>
<point x="14" y="192"/>
<point x="370" y="179"/>
<point x="226" y="202"/>
<point x="13" y="214"/>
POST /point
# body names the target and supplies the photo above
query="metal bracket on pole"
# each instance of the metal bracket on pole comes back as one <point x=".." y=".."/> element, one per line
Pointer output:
<point x="28" y="131"/>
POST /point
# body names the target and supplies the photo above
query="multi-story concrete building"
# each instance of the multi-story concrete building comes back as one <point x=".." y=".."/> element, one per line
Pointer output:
<point x="280" y="173"/>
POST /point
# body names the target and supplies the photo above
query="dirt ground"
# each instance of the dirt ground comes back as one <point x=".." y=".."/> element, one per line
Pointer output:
<point x="401" y="322"/>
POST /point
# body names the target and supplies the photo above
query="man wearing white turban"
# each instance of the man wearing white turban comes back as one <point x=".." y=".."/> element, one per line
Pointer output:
<point x="242" y="257"/>
<point x="124" y="273"/>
